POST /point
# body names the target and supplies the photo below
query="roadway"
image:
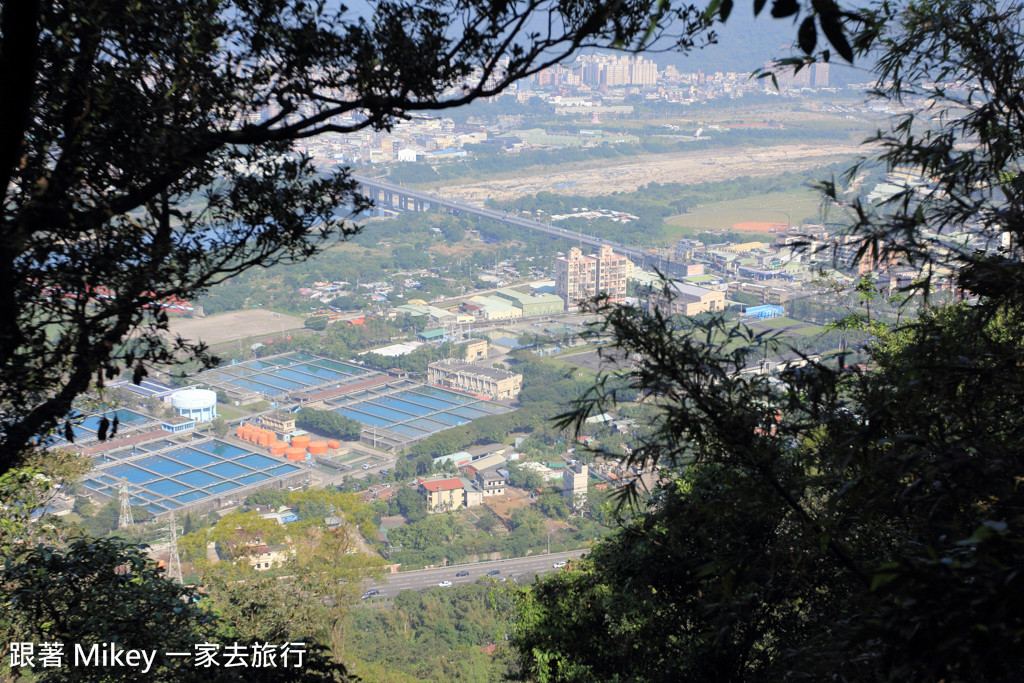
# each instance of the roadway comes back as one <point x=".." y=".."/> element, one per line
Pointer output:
<point x="518" y="568"/>
<point x="639" y="256"/>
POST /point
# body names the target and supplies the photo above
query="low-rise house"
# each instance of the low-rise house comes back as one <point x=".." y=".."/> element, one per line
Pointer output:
<point x="264" y="557"/>
<point x="474" y="495"/>
<point x="481" y="464"/>
<point x="443" y="495"/>
<point x="492" y="481"/>
<point x="379" y="492"/>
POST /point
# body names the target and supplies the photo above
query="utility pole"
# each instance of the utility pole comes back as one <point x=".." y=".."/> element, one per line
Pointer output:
<point x="125" y="520"/>
<point x="173" y="559"/>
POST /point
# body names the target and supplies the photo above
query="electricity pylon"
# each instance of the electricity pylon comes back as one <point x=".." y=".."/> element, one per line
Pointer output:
<point x="124" y="520"/>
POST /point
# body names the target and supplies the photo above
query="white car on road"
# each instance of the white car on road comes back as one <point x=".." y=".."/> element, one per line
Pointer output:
<point x="558" y="565"/>
<point x="445" y="584"/>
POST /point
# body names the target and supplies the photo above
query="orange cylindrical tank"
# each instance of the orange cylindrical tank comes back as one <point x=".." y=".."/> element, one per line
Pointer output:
<point x="264" y="439"/>
<point x="278" y="448"/>
<point x="246" y="431"/>
<point x="296" y="453"/>
<point x="334" y="445"/>
<point x="238" y="431"/>
<point x="300" y="441"/>
<point x="317" y="447"/>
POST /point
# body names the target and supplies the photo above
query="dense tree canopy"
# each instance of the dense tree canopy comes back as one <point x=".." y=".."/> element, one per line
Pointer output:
<point x="328" y="423"/>
<point x="838" y="522"/>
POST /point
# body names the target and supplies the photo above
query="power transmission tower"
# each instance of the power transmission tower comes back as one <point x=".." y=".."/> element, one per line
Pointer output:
<point x="125" y="520"/>
<point x="173" y="559"/>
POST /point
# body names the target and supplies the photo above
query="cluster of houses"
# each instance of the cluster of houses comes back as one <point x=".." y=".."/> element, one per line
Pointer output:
<point x="484" y="473"/>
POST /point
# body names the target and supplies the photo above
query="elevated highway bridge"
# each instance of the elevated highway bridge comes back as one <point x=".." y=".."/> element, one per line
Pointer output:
<point x="398" y="198"/>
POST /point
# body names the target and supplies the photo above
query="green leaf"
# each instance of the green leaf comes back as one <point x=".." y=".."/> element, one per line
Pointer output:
<point x="101" y="431"/>
<point x="882" y="579"/>
<point x="712" y="9"/>
<point x="785" y="8"/>
<point x="833" y="29"/>
<point x="807" y="36"/>
<point x="725" y="10"/>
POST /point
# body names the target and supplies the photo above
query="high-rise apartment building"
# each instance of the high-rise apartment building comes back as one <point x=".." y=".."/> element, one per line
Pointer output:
<point x="611" y="274"/>
<point x="575" y="276"/>
<point x="616" y="71"/>
<point x="579" y="277"/>
<point x="821" y="75"/>
<point x="789" y="80"/>
<point x="643" y="72"/>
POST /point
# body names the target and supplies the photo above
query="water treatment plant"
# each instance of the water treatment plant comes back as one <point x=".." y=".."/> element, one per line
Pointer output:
<point x="164" y="464"/>
<point x="173" y="473"/>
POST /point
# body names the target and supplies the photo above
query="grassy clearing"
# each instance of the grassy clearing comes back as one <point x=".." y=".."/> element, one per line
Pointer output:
<point x="229" y="412"/>
<point x="566" y="364"/>
<point x="788" y="327"/>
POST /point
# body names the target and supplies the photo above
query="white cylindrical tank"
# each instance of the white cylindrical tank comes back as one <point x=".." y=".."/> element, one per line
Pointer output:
<point x="197" y="404"/>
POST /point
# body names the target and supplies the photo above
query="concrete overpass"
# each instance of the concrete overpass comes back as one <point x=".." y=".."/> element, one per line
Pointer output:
<point x="396" y="197"/>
